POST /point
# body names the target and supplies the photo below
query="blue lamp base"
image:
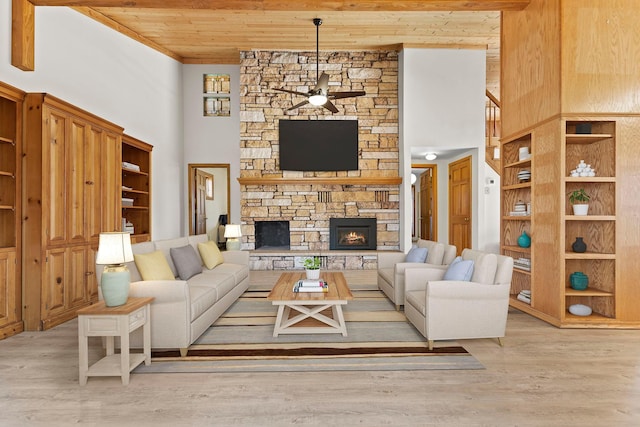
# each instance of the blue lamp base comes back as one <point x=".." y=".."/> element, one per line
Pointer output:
<point x="115" y="285"/>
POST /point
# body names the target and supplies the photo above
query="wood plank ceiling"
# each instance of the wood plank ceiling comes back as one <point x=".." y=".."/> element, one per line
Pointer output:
<point x="214" y="31"/>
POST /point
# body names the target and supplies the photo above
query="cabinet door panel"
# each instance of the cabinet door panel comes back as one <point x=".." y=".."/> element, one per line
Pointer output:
<point x="76" y="285"/>
<point x="53" y="301"/>
<point x="7" y="288"/>
<point x="54" y="182"/>
<point x="91" y="279"/>
<point x="93" y="178"/>
<point x="111" y="182"/>
<point x="76" y="180"/>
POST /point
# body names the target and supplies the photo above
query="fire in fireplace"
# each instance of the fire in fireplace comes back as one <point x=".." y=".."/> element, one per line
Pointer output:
<point x="352" y="233"/>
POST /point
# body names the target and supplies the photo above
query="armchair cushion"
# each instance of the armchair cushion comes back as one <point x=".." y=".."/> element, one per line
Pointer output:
<point x="187" y="261"/>
<point x="417" y="254"/>
<point x="459" y="270"/>
<point x="153" y="266"/>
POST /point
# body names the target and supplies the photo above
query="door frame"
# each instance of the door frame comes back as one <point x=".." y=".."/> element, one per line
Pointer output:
<point x="192" y="172"/>
<point x="434" y="189"/>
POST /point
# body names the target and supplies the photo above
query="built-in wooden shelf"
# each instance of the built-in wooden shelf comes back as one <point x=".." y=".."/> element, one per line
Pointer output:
<point x="516" y="249"/>
<point x="516" y="186"/>
<point x="519" y="164"/>
<point x="7" y="140"/>
<point x="396" y="180"/>
<point x="584" y="138"/>
<point x="588" y="255"/>
<point x="135" y="172"/>
<point x="589" y="292"/>
<point x="590" y="217"/>
<point x="590" y="179"/>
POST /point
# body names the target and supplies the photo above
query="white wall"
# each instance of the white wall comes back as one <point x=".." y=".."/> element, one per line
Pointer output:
<point x="212" y="139"/>
<point x="104" y="72"/>
<point x="442" y="106"/>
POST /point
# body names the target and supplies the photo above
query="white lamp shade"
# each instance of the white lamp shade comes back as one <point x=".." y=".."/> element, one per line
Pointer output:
<point x="232" y="231"/>
<point x="114" y="248"/>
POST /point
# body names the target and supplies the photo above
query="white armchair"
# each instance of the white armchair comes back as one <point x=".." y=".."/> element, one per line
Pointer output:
<point x="391" y="267"/>
<point x="443" y="310"/>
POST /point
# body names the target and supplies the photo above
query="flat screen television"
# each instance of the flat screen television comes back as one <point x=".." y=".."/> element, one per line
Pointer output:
<point x="318" y="145"/>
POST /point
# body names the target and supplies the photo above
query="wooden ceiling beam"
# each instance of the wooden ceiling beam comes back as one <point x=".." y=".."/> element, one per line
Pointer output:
<point x="303" y="5"/>
<point x="23" y="20"/>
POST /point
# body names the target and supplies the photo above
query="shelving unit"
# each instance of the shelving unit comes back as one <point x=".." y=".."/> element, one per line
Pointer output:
<point x="11" y="100"/>
<point x="598" y="228"/>
<point x="554" y="228"/>
<point x="512" y="226"/>
<point x="216" y="95"/>
<point x="136" y="186"/>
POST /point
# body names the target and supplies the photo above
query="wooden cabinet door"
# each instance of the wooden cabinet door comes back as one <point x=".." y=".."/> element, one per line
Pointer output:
<point x="54" y="185"/>
<point x="54" y="283"/>
<point x="76" y="283"/>
<point x="8" y="309"/>
<point x="76" y="181"/>
<point x="90" y="273"/>
<point x="93" y="173"/>
<point x="111" y="159"/>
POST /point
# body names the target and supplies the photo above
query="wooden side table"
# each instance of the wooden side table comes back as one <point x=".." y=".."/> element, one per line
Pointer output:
<point x="98" y="320"/>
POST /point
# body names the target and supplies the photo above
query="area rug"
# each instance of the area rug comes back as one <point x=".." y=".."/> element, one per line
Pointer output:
<point x="379" y="339"/>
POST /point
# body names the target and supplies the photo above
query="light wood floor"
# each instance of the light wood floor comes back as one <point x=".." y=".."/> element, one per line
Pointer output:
<point x="544" y="376"/>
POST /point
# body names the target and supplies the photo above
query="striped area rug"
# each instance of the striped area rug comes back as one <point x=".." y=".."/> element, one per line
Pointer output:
<point x="379" y="338"/>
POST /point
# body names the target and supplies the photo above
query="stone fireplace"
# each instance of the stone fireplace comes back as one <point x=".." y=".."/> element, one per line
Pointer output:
<point x="352" y="234"/>
<point x="308" y="200"/>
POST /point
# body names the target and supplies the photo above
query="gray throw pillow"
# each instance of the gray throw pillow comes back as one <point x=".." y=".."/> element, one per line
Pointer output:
<point x="187" y="261"/>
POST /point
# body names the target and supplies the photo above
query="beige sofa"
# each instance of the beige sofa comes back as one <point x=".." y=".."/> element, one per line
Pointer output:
<point x="183" y="310"/>
<point x="391" y="267"/>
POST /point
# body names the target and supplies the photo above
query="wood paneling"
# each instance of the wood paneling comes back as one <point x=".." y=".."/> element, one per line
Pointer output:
<point x="530" y="66"/>
<point x="23" y="34"/>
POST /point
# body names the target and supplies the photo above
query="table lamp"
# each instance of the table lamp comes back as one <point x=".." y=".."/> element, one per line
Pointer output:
<point x="233" y="233"/>
<point x="114" y="250"/>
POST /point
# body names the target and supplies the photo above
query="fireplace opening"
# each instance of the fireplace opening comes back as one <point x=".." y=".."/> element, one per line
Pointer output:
<point x="272" y="235"/>
<point x="352" y="233"/>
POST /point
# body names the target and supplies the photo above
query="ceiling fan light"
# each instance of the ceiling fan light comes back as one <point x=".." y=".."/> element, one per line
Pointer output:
<point x="317" y="100"/>
<point x="431" y="156"/>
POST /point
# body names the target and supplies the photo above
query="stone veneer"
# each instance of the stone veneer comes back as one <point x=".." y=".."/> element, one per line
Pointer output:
<point x="308" y="207"/>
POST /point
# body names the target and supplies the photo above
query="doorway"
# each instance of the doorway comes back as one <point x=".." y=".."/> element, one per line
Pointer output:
<point x="460" y="193"/>
<point x="425" y="201"/>
<point x="209" y="197"/>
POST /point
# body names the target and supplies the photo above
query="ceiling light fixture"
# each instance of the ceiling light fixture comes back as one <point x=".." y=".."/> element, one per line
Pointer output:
<point x="318" y="99"/>
<point x="431" y="156"/>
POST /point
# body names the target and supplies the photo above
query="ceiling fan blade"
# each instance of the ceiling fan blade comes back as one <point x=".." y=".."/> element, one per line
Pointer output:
<point x="298" y="105"/>
<point x="291" y="91"/>
<point x="329" y="106"/>
<point x="323" y="83"/>
<point x="339" y="95"/>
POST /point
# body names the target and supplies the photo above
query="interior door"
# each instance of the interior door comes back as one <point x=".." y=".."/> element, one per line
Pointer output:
<point x="427" y="205"/>
<point x="200" y="212"/>
<point x="460" y="204"/>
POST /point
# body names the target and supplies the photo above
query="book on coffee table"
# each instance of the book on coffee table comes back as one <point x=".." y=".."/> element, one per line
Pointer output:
<point x="311" y="286"/>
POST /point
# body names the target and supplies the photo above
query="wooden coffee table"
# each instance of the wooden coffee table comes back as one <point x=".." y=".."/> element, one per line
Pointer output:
<point x="310" y="312"/>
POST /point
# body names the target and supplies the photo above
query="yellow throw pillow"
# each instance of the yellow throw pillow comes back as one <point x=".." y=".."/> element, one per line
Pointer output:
<point x="210" y="254"/>
<point x="153" y="266"/>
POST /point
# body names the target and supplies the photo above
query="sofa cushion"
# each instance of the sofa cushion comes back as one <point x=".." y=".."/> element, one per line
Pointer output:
<point x="187" y="261"/>
<point x="416" y="254"/>
<point x="210" y="254"/>
<point x="238" y="271"/>
<point x="202" y="298"/>
<point x="221" y="282"/>
<point x="153" y="266"/>
<point x="386" y="274"/>
<point x="459" y="269"/>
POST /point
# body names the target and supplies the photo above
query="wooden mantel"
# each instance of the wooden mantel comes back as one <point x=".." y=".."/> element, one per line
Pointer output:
<point x="393" y="180"/>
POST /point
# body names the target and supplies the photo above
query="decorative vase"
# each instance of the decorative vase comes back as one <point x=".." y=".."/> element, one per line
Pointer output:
<point x="578" y="281"/>
<point x="579" y="245"/>
<point x="313" y="274"/>
<point x="114" y="285"/>
<point x="580" y="209"/>
<point x="524" y="241"/>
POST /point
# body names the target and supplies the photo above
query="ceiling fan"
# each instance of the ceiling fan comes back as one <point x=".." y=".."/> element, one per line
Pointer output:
<point x="320" y="95"/>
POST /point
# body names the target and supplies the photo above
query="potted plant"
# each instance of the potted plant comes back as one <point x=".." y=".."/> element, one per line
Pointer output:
<point x="579" y="199"/>
<point x="312" y="266"/>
